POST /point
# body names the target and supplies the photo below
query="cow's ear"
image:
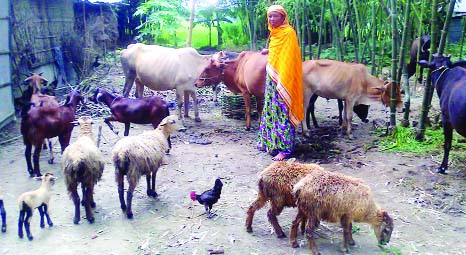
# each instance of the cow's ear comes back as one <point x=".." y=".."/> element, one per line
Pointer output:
<point x="424" y="63"/>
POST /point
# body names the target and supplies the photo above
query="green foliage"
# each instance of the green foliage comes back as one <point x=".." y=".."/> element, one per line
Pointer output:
<point x="161" y="21"/>
<point x="234" y="35"/>
<point x="403" y="140"/>
<point x="391" y="250"/>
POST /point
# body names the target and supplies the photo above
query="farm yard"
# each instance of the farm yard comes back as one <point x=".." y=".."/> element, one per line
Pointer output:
<point x="429" y="210"/>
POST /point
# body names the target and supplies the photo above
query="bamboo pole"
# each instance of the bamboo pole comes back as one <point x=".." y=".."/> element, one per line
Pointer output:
<point x="425" y="101"/>
<point x="374" y="37"/>
<point x="401" y="64"/>
<point x="322" y="13"/>
<point x="394" y="66"/>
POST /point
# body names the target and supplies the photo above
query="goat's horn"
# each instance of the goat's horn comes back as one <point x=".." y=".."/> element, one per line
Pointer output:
<point x="40" y="74"/>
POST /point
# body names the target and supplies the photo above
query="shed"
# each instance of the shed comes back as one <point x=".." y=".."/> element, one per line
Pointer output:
<point x="7" y="110"/>
<point x="455" y="31"/>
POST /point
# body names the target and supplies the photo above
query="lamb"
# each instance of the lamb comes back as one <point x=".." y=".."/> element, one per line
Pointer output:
<point x="2" y="213"/>
<point x="275" y="185"/>
<point x="39" y="199"/>
<point x="82" y="162"/>
<point x="334" y="197"/>
<point x="134" y="156"/>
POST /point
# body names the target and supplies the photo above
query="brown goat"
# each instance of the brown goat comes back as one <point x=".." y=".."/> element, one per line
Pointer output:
<point x="334" y="197"/>
<point x="40" y="100"/>
<point x="38" y="123"/>
<point x="275" y="185"/>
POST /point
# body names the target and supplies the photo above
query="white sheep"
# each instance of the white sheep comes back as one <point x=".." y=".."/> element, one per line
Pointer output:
<point x="139" y="155"/>
<point x="2" y="213"/>
<point x="334" y="197"/>
<point x="82" y="162"/>
<point x="39" y="198"/>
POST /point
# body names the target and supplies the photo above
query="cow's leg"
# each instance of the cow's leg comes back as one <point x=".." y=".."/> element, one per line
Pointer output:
<point x="340" y="110"/>
<point x="247" y="104"/>
<point x="195" y="106"/>
<point x="186" y="103"/>
<point x="447" y="134"/>
<point x="306" y="97"/>
<point x="51" y="157"/>
<point x="179" y="103"/>
<point x="348" y="116"/>
<point x="139" y="89"/>
<point x="310" y="110"/>
<point x="129" y="80"/>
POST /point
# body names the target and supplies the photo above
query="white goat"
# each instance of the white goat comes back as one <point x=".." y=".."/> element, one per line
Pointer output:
<point x="82" y="162"/>
<point x="39" y="198"/>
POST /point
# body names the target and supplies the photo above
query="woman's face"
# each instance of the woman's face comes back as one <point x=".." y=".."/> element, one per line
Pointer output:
<point x="276" y="19"/>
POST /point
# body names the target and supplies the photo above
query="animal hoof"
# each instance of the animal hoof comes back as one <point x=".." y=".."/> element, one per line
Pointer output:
<point x="20" y="235"/>
<point x="93" y="204"/>
<point x="50" y="224"/>
<point x="129" y="215"/>
<point x="249" y="229"/>
<point x="294" y="244"/>
<point x="248" y="128"/>
<point x="76" y="221"/>
<point x="30" y="237"/>
<point x="38" y="175"/>
<point x="197" y="119"/>
<point x="42" y="225"/>
<point x="441" y="170"/>
<point x="282" y="235"/>
<point x="50" y="161"/>
<point x="83" y="203"/>
<point x="91" y="220"/>
<point x="3" y="229"/>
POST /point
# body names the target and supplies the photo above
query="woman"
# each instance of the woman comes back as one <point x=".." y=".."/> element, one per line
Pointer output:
<point x="283" y="104"/>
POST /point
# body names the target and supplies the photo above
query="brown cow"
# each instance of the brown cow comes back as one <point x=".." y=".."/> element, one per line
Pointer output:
<point x="244" y="74"/>
<point x="346" y="81"/>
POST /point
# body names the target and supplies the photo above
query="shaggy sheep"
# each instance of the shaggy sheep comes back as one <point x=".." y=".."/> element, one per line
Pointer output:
<point x="2" y="213"/>
<point x="134" y="156"/>
<point x="275" y="185"/>
<point x="334" y="197"/>
<point x="39" y="199"/>
<point x="82" y="162"/>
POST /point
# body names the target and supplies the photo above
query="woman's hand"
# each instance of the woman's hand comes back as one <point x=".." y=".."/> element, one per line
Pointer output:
<point x="265" y="51"/>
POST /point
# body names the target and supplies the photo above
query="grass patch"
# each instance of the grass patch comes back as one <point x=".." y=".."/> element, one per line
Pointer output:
<point x="403" y="140"/>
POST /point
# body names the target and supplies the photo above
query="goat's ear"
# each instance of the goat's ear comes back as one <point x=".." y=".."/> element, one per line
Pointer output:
<point x="75" y="123"/>
<point x="27" y="79"/>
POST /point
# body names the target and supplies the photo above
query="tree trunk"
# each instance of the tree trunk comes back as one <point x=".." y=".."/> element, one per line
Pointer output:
<point x="190" y="25"/>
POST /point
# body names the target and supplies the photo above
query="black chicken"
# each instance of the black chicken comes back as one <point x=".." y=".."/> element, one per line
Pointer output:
<point x="209" y="198"/>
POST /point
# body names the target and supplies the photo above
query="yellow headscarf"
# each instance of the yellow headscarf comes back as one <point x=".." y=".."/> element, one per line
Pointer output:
<point x="285" y="65"/>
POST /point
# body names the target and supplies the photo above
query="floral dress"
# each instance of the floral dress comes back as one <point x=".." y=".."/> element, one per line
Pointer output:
<point x="276" y="133"/>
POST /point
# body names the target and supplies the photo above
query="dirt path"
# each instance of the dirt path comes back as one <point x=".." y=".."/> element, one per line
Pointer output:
<point x="429" y="210"/>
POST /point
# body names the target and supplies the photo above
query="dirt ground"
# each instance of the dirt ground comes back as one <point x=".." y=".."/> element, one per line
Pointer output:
<point x="429" y="210"/>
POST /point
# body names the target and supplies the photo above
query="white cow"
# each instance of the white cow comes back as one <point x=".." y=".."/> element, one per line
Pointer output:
<point x="160" y="68"/>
